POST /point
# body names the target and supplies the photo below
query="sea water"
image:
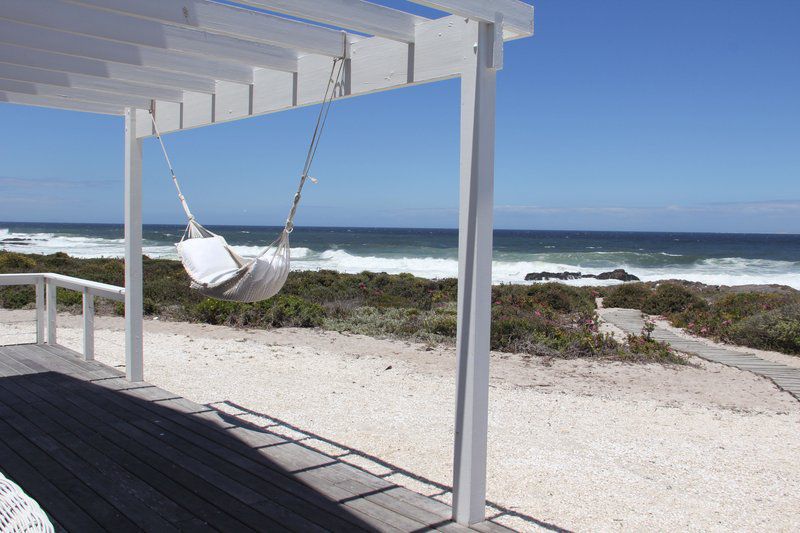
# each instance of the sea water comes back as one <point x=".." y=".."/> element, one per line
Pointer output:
<point x="713" y="258"/>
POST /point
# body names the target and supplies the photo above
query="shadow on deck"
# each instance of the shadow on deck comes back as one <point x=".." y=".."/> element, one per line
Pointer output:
<point x="368" y="463"/>
<point x="100" y="453"/>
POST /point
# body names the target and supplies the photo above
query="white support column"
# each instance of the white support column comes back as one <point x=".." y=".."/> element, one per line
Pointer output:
<point x="88" y="325"/>
<point x="40" y="327"/>
<point x="474" y="273"/>
<point x="133" y="250"/>
<point x="52" y="312"/>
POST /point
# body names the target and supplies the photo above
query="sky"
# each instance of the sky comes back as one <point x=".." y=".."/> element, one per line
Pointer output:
<point x="617" y="115"/>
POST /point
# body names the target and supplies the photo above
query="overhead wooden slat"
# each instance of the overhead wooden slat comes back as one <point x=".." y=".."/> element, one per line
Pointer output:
<point x="376" y="64"/>
<point x="19" y="55"/>
<point x="61" y="42"/>
<point x="77" y="81"/>
<point x="77" y="94"/>
<point x="356" y="15"/>
<point x="517" y="15"/>
<point x="87" y="20"/>
<point x="233" y="21"/>
<point x="59" y="103"/>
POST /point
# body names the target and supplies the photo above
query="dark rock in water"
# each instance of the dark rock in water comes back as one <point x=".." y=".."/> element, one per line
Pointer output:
<point x="618" y="274"/>
<point x="16" y="241"/>
<point x="541" y="276"/>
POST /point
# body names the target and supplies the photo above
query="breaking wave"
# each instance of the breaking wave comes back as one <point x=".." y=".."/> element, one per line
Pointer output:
<point x="425" y="262"/>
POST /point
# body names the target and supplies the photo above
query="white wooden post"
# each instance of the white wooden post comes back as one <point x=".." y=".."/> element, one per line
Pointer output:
<point x="88" y="324"/>
<point x="474" y="273"/>
<point x="52" y="311"/>
<point x="40" y="311"/>
<point x="133" y="250"/>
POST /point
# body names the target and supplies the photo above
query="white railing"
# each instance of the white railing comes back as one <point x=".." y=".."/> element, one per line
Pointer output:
<point x="46" y="284"/>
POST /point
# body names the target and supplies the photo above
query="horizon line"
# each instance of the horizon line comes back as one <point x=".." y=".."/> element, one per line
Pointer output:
<point x="413" y="228"/>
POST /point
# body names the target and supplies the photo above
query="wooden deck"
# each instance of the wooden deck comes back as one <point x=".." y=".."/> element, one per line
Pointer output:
<point x="787" y="378"/>
<point x="100" y="453"/>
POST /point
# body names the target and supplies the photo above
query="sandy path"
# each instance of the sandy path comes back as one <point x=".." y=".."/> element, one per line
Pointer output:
<point x="581" y="445"/>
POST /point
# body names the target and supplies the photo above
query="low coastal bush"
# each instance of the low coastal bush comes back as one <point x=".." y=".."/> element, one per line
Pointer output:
<point x="667" y="298"/>
<point x="13" y="262"/>
<point x="671" y="298"/>
<point x="642" y="348"/>
<point x="766" y="319"/>
<point x="280" y="311"/>
<point x="550" y="319"/>
<point x="628" y="295"/>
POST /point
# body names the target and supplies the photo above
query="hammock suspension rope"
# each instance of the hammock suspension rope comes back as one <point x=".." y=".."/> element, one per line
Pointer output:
<point x="214" y="268"/>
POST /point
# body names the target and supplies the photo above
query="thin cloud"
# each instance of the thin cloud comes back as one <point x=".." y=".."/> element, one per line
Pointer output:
<point x="768" y="206"/>
<point x="52" y="183"/>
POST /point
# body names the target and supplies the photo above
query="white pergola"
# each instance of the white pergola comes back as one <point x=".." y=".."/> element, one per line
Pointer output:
<point x="198" y="62"/>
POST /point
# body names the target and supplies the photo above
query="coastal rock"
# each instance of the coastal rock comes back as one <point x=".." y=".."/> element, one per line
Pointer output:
<point x="618" y="274"/>
<point x="542" y="276"/>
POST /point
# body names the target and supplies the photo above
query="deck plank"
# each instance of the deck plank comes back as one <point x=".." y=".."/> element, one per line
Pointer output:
<point x="102" y="453"/>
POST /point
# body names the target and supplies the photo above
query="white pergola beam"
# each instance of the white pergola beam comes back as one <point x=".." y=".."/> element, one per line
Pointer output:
<point x="19" y="55"/>
<point x="87" y="20"/>
<point x="233" y="21"/>
<point x="59" y="103"/>
<point x="376" y="64"/>
<point x="77" y="81"/>
<point x="356" y="15"/>
<point x="48" y="39"/>
<point x="517" y="15"/>
<point x="76" y="94"/>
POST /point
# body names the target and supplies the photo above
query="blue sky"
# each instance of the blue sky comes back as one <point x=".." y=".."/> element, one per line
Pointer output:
<point x="616" y="115"/>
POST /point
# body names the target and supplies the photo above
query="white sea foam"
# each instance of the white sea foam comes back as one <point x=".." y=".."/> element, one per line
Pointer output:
<point x="719" y="271"/>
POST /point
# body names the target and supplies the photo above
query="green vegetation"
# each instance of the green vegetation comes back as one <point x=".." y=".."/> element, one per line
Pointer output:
<point x="763" y="320"/>
<point x="551" y="320"/>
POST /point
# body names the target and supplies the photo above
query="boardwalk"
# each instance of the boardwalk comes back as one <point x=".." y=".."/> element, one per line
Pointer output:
<point x="100" y="453"/>
<point x="785" y="377"/>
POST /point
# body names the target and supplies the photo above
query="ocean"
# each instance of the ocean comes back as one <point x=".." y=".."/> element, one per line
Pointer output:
<point x="713" y="258"/>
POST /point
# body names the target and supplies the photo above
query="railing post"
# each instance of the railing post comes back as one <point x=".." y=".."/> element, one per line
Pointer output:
<point x="52" y="310"/>
<point x="40" y="311"/>
<point x="88" y="324"/>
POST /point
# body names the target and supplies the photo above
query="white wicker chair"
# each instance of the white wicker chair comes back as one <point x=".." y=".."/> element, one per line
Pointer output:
<point x="19" y="512"/>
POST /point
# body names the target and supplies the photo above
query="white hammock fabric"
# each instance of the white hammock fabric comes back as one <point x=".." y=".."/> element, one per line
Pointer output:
<point x="219" y="272"/>
<point x="19" y="513"/>
<point x="214" y="268"/>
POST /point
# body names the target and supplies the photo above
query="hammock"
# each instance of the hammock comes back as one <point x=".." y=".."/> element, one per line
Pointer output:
<point x="214" y="268"/>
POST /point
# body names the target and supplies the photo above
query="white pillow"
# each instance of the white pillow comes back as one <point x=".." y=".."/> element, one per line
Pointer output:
<point x="207" y="260"/>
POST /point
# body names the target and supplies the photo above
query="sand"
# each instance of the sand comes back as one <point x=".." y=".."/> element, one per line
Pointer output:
<point x="581" y="445"/>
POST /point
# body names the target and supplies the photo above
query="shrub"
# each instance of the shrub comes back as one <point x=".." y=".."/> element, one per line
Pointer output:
<point x="17" y="297"/>
<point x="629" y="296"/>
<point x="562" y="298"/>
<point x="644" y="349"/>
<point x="777" y="329"/>
<point x="288" y="310"/>
<point x="383" y="322"/>
<point x="280" y="311"/>
<point x="11" y="262"/>
<point x="213" y="311"/>
<point x="68" y="297"/>
<point x="671" y="298"/>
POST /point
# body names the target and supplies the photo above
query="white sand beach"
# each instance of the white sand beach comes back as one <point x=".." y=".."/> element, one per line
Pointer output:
<point x="580" y="445"/>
